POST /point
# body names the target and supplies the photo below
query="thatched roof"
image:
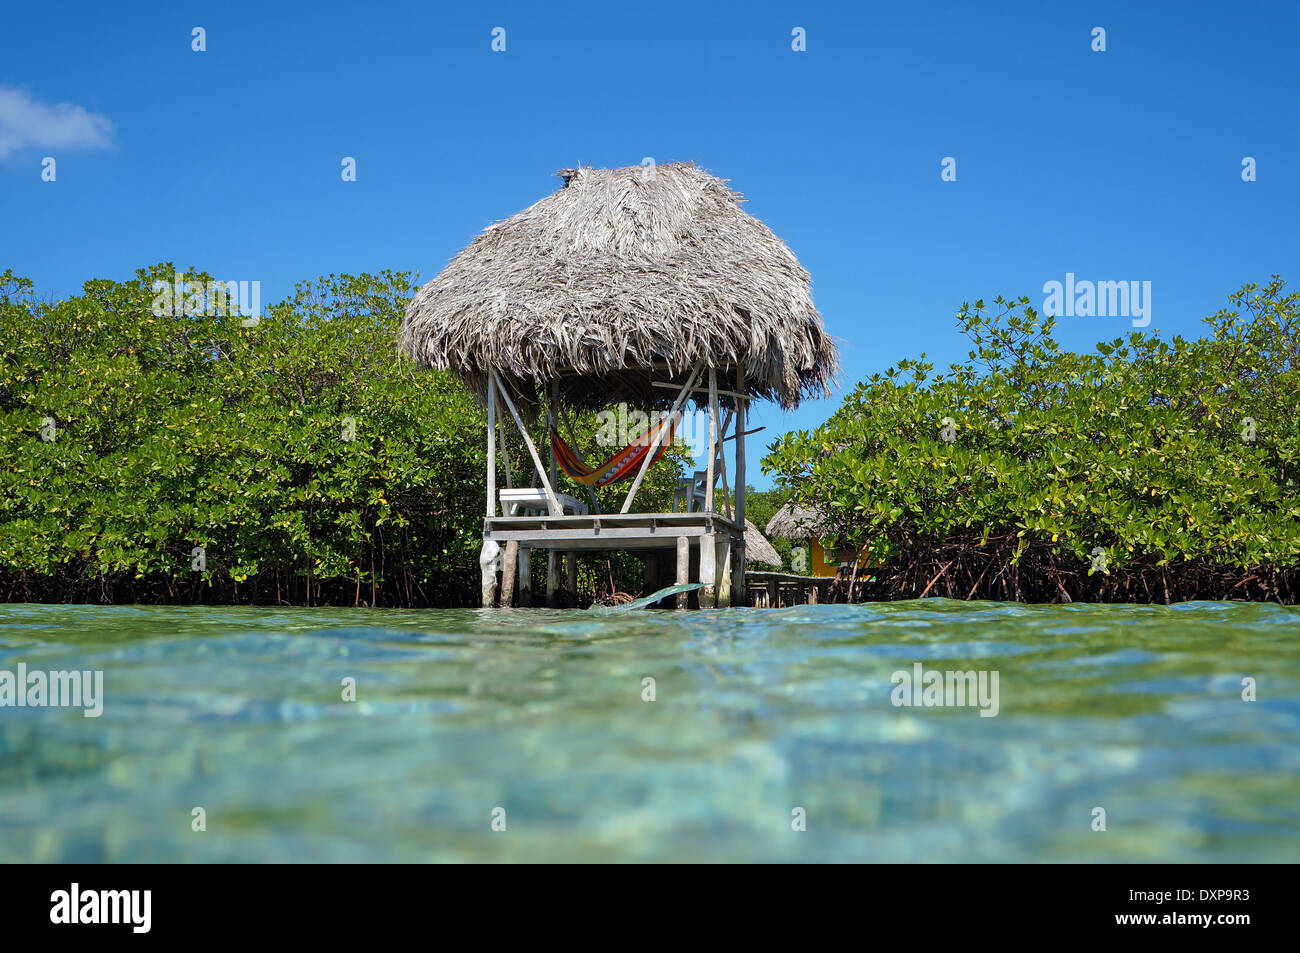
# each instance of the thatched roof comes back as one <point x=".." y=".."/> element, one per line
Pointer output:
<point x="795" y="522"/>
<point x="620" y="278"/>
<point x="757" y="548"/>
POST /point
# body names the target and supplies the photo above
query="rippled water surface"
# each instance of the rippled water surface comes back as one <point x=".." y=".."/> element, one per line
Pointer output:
<point x="1137" y="710"/>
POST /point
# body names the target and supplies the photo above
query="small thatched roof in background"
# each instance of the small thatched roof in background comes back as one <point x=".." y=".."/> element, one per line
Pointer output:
<point x="795" y="522"/>
<point x="621" y="278"/>
<point x="758" y="549"/>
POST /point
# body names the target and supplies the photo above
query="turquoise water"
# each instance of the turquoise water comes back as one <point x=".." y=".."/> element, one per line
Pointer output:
<point x="757" y="713"/>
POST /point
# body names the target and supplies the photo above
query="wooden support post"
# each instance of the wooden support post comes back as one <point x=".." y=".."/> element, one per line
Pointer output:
<point x="571" y="578"/>
<point x="492" y="450"/>
<point x="525" y="577"/>
<point x="552" y="579"/>
<point x="487" y="557"/>
<point x="708" y="570"/>
<point x="552" y="393"/>
<point x="710" y="472"/>
<point x="505" y="451"/>
<point x="547" y="485"/>
<point x="487" y="563"/>
<point x="742" y="415"/>
<point x="651" y="561"/>
<point x="724" y="570"/>
<point x="812" y="594"/>
<point x="508" y="569"/>
<point x="683" y="568"/>
<point x="773" y="595"/>
<point x="722" y="465"/>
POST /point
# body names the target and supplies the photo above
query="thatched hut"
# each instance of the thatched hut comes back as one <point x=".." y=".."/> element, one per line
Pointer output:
<point x="808" y="524"/>
<point x="757" y="548"/>
<point x="644" y="285"/>
<point x="795" y="522"/>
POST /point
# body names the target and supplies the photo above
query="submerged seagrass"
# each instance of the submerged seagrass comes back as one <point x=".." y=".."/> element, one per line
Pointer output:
<point x="623" y="278"/>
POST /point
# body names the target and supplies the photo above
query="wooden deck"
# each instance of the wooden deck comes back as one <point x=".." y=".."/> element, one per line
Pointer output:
<point x="631" y="532"/>
<point x="707" y="548"/>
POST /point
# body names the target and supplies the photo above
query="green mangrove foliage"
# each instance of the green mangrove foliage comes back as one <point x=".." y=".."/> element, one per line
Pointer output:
<point x="1150" y="470"/>
<point x="196" y="455"/>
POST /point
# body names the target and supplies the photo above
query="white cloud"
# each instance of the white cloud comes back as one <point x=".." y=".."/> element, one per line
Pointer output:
<point x="26" y="123"/>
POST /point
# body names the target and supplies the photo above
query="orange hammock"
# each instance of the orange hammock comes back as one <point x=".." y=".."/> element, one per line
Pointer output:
<point x="620" y="466"/>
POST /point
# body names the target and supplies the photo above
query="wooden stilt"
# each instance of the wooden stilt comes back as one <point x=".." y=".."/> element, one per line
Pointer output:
<point x="508" y="570"/>
<point x="552" y="579"/>
<point x="683" y="569"/>
<point x="742" y="406"/>
<point x="553" y="393"/>
<point x="505" y="450"/>
<point x="487" y="557"/>
<point x="571" y="579"/>
<point x="812" y="595"/>
<point x="492" y="450"/>
<point x="525" y="577"/>
<point x="651" y="562"/>
<point x="487" y="562"/>
<point x="724" y="571"/>
<point x="711" y="466"/>
<point x="708" y="570"/>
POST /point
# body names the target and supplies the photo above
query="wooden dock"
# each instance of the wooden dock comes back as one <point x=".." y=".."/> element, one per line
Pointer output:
<point x="708" y="548"/>
<point x="771" y="590"/>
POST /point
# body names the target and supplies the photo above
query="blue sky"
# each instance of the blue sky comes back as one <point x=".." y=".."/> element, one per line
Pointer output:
<point x="1115" y="165"/>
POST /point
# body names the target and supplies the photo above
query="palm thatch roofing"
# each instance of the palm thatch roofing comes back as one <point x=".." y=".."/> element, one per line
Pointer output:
<point x="795" y="522"/>
<point x="622" y="278"/>
<point x="758" y="549"/>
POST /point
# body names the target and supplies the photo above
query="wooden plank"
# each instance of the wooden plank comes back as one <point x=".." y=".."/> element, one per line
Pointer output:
<point x="532" y="450"/>
<point x="619" y="519"/>
<point x="696" y="390"/>
<point x="791" y="577"/>
<point x="628" y="539"/>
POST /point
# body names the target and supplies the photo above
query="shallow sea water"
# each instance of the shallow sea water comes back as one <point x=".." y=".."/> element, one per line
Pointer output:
<point x="757" y="713"/>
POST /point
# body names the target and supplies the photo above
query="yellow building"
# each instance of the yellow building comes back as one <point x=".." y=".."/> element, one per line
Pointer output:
<point x="800" y="524"/>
